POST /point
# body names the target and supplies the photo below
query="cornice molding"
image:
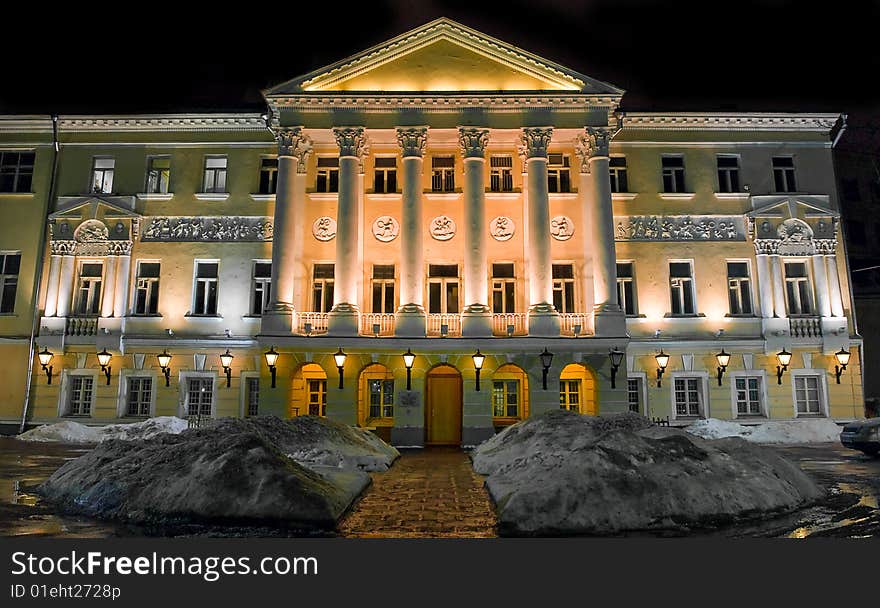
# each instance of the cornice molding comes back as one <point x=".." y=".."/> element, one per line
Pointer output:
<point x="493" y="101"/>
<point x="699" y="121"/>
<point x="164" y="122"/>
<point x="25" y="124"/>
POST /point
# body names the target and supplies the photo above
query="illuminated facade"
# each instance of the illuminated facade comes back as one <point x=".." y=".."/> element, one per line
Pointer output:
<point x="447" y="194"/>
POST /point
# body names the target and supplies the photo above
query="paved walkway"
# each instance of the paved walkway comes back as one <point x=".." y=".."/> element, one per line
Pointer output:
<point x="427" y="493"/>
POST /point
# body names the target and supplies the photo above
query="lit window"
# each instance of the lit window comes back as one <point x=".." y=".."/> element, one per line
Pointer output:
<point x="317" y="397"/>
<point x="634" y="394"/>
<point x="253" y="397"/>
<point x="617" y="172"/>
<point x="798" y="290"/>
<point x="673" y="174"/>
<point x="748" y="395"/>
<point x="783" y="174"/>
<point x="681" y="288"/>
<point x="385" y="176"/>
<point x="501" y="174"/>
<point x="268" y="175"/>
<point x="505" y="398"/>
<point x="443" y="174"/>
<point x="158" y="174"/>
<point x="205" y="292"/>
<point x="503" y="288"/>
<point x="626" y="288"/>
<point x="728" y="173"/>
<point x="146" y="293"/>
<point x="383" y="288"/>
<point x="16" y="171"/>
<point x="739" y="288"/>
<point x="322" y="287"/>
<point x="10" y="264"/>
<point x="570" y="395"/>
<point x="102" y="174"/>
<point x="381" y="398"/>
<point x="688" y="396"/>
<point x="558" y="173"/>
<point x="140" y="393"/>
<point x="199" y="396"/>
<point x="215" y="174"/>
<point x="261" y="287"/>
<point x="327" y="176"/>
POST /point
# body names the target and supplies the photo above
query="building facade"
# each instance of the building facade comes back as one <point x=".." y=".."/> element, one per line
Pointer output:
<point x="447" y="195"/>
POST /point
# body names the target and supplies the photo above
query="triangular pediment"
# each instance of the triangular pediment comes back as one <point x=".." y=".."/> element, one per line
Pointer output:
<point x="784" y="206"/>
<point x="92" y="208"/>
<point x="443" y="56"/>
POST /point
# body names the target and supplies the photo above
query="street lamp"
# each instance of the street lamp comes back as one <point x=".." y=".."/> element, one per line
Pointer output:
<point x="723" y="359"/>
<point x="616" y="360"/>
<point x="226" y="361"/>
<point x="784" y="358"/>
<point x="104" y="359"/>
<point x="45" y="356"/>
<point x="662" y="361"/>
<point x="546" y="362"/>
<point x="408" y="359"/>
<point x="340" y="356"/>
<point x="164" y="362"/>
<point x="271" y="359"/>
<point x="478" y="364"/>
<point x="843" y="356"/>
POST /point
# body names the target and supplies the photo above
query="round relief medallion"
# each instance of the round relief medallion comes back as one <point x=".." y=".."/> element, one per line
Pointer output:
<point x="502" y="228"/>
<point x="385" y="228"/>
<point x="442" y="228"/>
<point x="561" y="227"/>
<point x="324" y="228"/>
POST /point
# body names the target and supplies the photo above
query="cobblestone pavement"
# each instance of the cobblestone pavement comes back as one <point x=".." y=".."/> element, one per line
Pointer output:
<point x="427" y="493"/>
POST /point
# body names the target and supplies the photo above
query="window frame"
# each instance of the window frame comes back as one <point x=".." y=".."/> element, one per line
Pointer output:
<point x="788" y="173"/>
<point x="150" y="159"/>
<point x="565" y="403"/>
<point x="616" y="172"/>
<point x="383" y="283"/>
<point x="703" y="407"/>
<point x="762" y="393"/>
<point x="322" y="396"/>
<point x="244" y="393"/>
<point x="324" y="281"/>
<point x="561" y="172"/>
<point x="327" y="173"/>
<point x="504" y="282"/>
<point x="215" y="172"/>
<point x="125" y="376"/>
<point x="808" y="268"/>
<point x="271" y="171"/>
<point x="18" y="172"/>
<point x="500" y="174"/>
<point x="620" y="281"/>
<point x="519" y="399"/>
<point x="693" y="289"/>
<point x="642" y="378"/>
<point x="562" y="282"/>
<point x="385" y="172"/>
<point x="105" y="171"/>
<point x="736" y="171"/>
<point x="183" y="384"/>
<point x="266" y="288"/>
<point x="64" y="392"/>
<point x="5" y="276"/>
<point x="156" y="281"/>
<point x="443" y="178"/>
<point x="822" y="384"/>
<point x="196" y="279"/>
<point x="677" y="188"/>
<point x="751" y="290"/>
<point x="75" y="308"/>
<point x="444" y="283"/>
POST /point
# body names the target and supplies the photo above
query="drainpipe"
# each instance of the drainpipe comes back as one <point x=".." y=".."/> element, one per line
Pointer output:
<point x="38" y="274"/>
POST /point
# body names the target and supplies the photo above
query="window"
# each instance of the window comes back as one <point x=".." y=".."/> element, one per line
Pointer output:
<point x="146" y="293"/>
<point x="688" y="396"/>
<point x="505" y="398"/>
<point x="558" y="173"/>
<point x="253" y="397"/>
<point x="442" y="288"/>
<point x="16" y="171"/>
<point x="503" y="288"/>
<point x="798" y="292"/>
<point x="205" y="292"/>
<point x="626" y="288"/>
<point x="102" y="174"/>
<point x="570" y="395"/>
<point x="327" y="177"/>
<point x="261" y="287"/>
<point x="215" y="174"/>
<point x="501" y="173"/>
<point x="383" y="288"/>
<point x="79" y="395"/>
<point x="322" y="287"/>
<point x="783" y="174"/>
<point x="200" y="396"/>
<point x="381" y="398"/>
<point x="617" y="171"/>
<point x="88" y="293"/>
<point x="385" y="176"/>
<point x="139" y="397"/>
<point x="443" y="174"/>
<point x="673" y="173"/>
<point x="748" y="395"/>
<point x="634" y="394"/>
<point x="268" y="175"/>
<point x="10" y="264"/>
<point x="317" y="397"/>
<point x="739" y="288"/>
<point x="158" y="174"/>
<point x="563" y="287"/>
<point x="681" y="288"/>
<point x="808" y="395"/>
<point x="728" y="173"/>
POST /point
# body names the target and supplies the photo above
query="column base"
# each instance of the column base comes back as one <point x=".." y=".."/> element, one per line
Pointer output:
<point x="410" y="321"/>
<point x="476" y="321"/>
<point x="343" y="320"/>
<point x="608" y="320"/>
<point x="277" y="320"/>
<point x="543" y="321"/>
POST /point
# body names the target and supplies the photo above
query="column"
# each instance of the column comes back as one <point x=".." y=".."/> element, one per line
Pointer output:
<point x="51" y="306"/>
<point x="820" y="277"/>
<point x="543" y="318"/>
<point x="765" y="285"/>
<point x="477" y="316"/>
<point x="834" y="285"/>
<point x="123" y="272"/>
<point x="108" y="299"/>
<point x="411" y="319"/>
<point x="65" y="285"/>
<point x="352" y="142"/>
<point x="293" y="150"/>
<point x="778" y="287"/>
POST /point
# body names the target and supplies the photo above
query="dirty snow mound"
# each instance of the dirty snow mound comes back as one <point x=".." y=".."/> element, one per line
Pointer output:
<point x="69" y="431"/>
<point x="819" y="430"/>
<point x="144" y="430"/>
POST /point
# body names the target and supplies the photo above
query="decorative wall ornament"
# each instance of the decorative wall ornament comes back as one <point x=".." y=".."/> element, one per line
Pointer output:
<point x="534" y="142"/>
<point x="473" y="141"/>
<point x="200" y="228"/>
<point x="442" y="228"/>
<point x="412" y="140"/>
<point x="825" y="246"/>
<point x="91" y="231"/>
<point x="679" y="228"/>
<point x="794" y="230"/>
<point x="119" y="247"/>
<point x="502" y="228"/>
<point x="352" y="141"/>
<point x="293" y="142"/>
<point x="324" y="228"/>
<point x="385" y="228"/>
<point x="767" y="246"/>
<point x="63" y="247"/>
<point x="561" y="227"/>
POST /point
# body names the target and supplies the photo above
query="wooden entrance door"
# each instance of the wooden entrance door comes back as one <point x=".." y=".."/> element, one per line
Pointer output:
<point x="443" y="411"/>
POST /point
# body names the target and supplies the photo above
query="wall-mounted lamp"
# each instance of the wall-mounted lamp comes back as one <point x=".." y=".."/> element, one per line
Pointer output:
<point x="226" y="362"/>
<point x="843" y="356"/>
<point x="662" y="361"/>
<point x="164" y="363"/>
<point x="723" y="359"/>
<point x="45" y="356"/>
<point x="271" y="360"/>
<point x="408" y="359"/>
<point x="546" y="362"/>
<point x="616" y="360"/>
<point x="784" y="358"/>
<point x="478" y="364"/>
<point x="104" y="359"/>
<point x="340" y="356"/>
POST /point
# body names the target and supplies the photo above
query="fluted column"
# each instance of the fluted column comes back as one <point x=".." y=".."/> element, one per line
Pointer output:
<point x="476" y="317"/>
<point x="108" y="298"/>
<point x="123" y="272"/>
<point x="51" y="306"/>
<point x="65" y="284"/>
<point x="820" y="277"/>
<point x="765" y="286"/>
<point x="410" y="319"/>
<point x="778" y="287"/>
<point x="352" y="142"/>
<point x="543" y="318"/>
<point x="834" y="286"/>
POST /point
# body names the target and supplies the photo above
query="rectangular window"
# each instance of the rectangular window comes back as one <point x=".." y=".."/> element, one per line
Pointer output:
<point x="385" y="175"/>
<point x="322" y="287"/>
<point x="383" y="288"/>
<point x="205" y="291"/>
<point x="16" y="171"/>
<point x="88" y="293"/>
<point x="798" y="291"/>
<point x="783" y="174"/>
<point x="79" y="397"/>
<point x="381" y="398"/>
<point x="140" y="394"/>
<point x="673" y="173"/>
<point x="503" y="288"/>
<point x="268" y="175"/>
<point x="617" y="171"/>
<point x="739" y="288"/>
<point x="808" y="394"/>
<point x="558" y="173"/>
<point x="158" y="174"/>
<point x="253" y="397"/>
<point x="570" y="395"/>
<point x="681" y="288"/>
<point x="688" y="396"/>
<point x="10" y="263"/>
<point x="634" y="394"/>
<point x="215" y="174"/>
<point x="317" y="397"/>
<point x="327" y="176"/>
<point x="443" y="174"/>
<point x="728" y="173"/>
<point x="261" y="287"/>
<point x="501" y="173"/>
<point x="563" y="287"/>
<point x="748" y="395"/>
<point x="626" y="288"/>
<point x="102" y="174"/>
<point x="442" y="288"/>
<point x="505" y="398"/>
<point x="146" y="293"/>
<point x="200" y="396"/>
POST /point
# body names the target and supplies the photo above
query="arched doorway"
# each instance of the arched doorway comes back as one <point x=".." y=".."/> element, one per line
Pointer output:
<point x="308" y="392"/>
<point x="443" y="409"/>
<point x="577" y="390"/>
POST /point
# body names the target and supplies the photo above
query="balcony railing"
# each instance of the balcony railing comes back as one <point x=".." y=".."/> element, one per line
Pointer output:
<point x="805" y="327"/>
<point x="81" y="326"/>
<point x="451" y="323"/>
<point x="377" y="324"/>
<point x="311" y="323"/>
<point x="510" y="324"/>
<point x="574" y="323"/>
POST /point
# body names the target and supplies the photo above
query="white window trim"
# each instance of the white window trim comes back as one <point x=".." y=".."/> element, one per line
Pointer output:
<point x="763" y="394"/>
<point x="823" y="391"/>
<point x="632" y="279"/>
<point x="64" y="391"/>
<point x="738" y="158"/>
<point x="752" y="281"/>
<point x="132" y="295"/>
<point x="122" y="395"/>
<point x="643" y="377"/>
<point x="192" y="299"/>
<point x="183" y="381"/>
<point x="704" y="387"/>
<point x="253" y="281"/>
<point x="669" y="263"/>
<point x="243" y="390"/>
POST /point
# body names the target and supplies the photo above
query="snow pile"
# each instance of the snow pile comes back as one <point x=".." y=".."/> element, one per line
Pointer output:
<point x="818" y="430"/>
<point x="561" y="474"/>
<point x="67" y="432"/>
<point x="74" y="432"/>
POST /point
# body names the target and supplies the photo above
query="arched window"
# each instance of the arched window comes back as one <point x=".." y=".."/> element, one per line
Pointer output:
<point x="577" y="390"/>
<point x="309" y="391"/>
<point x="510" y="395"/>
<point x="376" y="396"/>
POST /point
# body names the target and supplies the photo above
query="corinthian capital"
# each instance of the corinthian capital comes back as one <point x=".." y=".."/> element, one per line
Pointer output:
<point x="352" y="141"/>
<point x="412" y="140"/>
<point x="293" y="142"/>
<point x="593" y="143"/>
<point x="535" y="141"/>
<point x="473" y="141"/>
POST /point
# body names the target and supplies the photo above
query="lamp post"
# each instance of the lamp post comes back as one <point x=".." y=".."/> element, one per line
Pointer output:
<point x="784" y="358"/>
<point x="723" y="359"/>
<point x="408" y="359"/>
<point x="340" y="356"/>
<point x="45" y="356"/>
<point x="104" y="359"/>
<point x="616" y="360"/>
<point x="842" y="356"/>
<point x="271" y="359"/>
<point x="226" y="361"/>
<point x="546" y="362"/>
<point x="662" y="361"/>
<point x="164" y="362"/>
<point x="478" y="364"/>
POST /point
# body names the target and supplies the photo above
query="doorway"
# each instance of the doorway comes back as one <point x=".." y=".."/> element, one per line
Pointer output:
<point x="443" y="407"/>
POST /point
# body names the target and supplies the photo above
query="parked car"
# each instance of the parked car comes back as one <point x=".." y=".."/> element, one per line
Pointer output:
<point x="863" y="435"/>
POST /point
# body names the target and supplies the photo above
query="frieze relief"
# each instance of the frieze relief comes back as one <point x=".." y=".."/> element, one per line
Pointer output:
<point x="442" y="228"/>
<point x="561" y="227"/>
<point x="193" y="229"/>
<point x="324" y="228"/>
<point x="679" y="228"/>
<point x="502" y="228"/>
<point x="385" y="228"/>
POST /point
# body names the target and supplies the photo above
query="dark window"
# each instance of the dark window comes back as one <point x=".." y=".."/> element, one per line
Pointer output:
<point x="158" y="175"/>
<point x="728" y="174"/>
<point x="268" y="175"/>
<point x="146" y="294"/>
<point x="626" y="288"/>
<point x="16" y="171"/>
<point x="443" y="174"/>
<point x="385" y="176"/>
<point x="681" y="287"/>
<point x="215" y="174"/>
<point x="739" y="288"/>
<point x="322" y="287"/>
<point x="10" y="264"/>
<point x="783" y="174"/>
<point x="617" y="171"/>
<point x="501" y="174"/>
<point x="383" y="288"/>
<point x="261" y="287"/>
<point x="563" y="287"/>
<point x="327" y="177"/>
<point x="673" y="174"/>
<point x="558" y="173"/>
<point x="503" y="288"/>
<point x="206" y="289"/>
<point x="442" y="288"/>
